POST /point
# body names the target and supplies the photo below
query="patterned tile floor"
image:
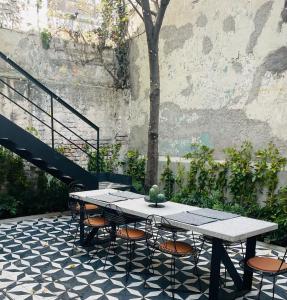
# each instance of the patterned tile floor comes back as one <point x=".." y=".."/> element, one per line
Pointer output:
<point x="36" y="262"/>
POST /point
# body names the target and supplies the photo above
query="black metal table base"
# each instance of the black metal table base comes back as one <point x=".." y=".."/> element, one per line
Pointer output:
<point x="220" y="255"/>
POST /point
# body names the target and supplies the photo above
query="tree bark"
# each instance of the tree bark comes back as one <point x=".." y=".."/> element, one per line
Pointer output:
<point x="152" y="153"/>
<point x="152" y="35"/>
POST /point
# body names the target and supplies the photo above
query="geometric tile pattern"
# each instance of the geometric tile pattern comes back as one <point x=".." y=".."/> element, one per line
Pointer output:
<point x="36" y="262"/>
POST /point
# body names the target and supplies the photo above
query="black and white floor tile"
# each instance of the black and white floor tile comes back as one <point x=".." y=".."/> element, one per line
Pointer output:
<point x="36" y="262"/>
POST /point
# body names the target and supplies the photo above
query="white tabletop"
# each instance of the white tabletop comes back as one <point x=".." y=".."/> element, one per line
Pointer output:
<point x="232" y="230"/>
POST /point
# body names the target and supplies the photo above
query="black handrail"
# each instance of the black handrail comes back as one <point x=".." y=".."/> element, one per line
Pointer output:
<point x="38" y="119"/>
<point x="47" y="90"/>
<point x="46" y="113"/>
<point x="51" y="115"/>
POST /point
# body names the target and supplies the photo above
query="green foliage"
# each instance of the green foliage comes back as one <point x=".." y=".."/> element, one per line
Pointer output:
<point x="168" y="180"/>
<point x="267" y="167"/>
<point x="108" y="158"/>
<point x="46" y="38"/>
<point x="8" y="205"/>
<point x="205" y="175"/>
<point x="33" y="131"/>
<point x="236" y="184"/>
<point x="114" y="29"/>
<point x="242" y="183"/>
<point x="134" y="165"/>
<point x="21" y="194"/>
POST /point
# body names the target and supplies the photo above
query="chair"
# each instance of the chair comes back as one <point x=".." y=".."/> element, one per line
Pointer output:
<point x="74" y="207"/>
<point x="119" y="228"/>
<point x="266" y="266"/>
<point x="163" y="237"/>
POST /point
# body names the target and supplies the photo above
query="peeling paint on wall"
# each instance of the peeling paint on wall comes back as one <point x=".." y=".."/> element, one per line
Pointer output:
<point x="229" y="24"/>
<point x="174" y="38"/>
<point x="201" y="20"/>
<point x="206" y="45"/>
<point x="260" y="20"/>
<point x="276" y="63"/>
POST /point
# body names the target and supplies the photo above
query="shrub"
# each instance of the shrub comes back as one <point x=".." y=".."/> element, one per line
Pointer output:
<point x="134" y="165"/>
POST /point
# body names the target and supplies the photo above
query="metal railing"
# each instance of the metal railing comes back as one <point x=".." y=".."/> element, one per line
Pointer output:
<point x="53" y="120"/>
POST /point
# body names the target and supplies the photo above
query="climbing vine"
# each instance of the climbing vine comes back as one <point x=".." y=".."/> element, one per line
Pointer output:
<point x="111" y="34"/>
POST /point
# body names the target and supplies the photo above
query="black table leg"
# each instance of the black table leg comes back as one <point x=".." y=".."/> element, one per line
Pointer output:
<point x="82" y="227"/>
<point x="215" y="269"/>
<point x="250" y="252"/>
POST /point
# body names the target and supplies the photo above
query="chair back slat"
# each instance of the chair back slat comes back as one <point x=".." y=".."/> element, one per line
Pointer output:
<point x="114" y="215"/>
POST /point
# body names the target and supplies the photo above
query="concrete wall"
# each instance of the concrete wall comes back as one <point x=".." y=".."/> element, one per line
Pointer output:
<point x="223" y="76"/>
<point x="72" y="70"/>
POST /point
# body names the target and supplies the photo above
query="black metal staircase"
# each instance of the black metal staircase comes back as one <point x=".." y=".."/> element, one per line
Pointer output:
<point x="45" y="156"/>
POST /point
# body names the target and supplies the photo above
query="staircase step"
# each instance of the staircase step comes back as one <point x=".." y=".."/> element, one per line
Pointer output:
<point x="67" y="178"/>
<point x="6" y="141"/>
<point x="54" y="170"/>
<point x="38" y="160"/>
<point x="76" y="186"/>
<point x="23" y="151"/>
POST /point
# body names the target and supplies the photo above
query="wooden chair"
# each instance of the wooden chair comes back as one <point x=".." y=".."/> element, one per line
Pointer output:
<point x="266" y="266"/>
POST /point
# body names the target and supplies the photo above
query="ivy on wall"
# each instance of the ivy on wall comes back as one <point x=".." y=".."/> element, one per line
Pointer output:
<point x="111" y="34"/>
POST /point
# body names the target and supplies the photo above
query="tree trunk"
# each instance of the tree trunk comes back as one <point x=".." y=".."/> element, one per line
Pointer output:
<point x="152" y="154"/>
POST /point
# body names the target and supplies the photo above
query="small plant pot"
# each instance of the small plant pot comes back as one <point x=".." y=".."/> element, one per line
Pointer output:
<point x="154" y="204"/>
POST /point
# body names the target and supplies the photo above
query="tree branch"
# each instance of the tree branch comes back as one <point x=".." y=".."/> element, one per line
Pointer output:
<point x="160" y="16"/>
<point x="155" y="2"/>
<point x="149" y="26"/>
<point x="136" y="9"/>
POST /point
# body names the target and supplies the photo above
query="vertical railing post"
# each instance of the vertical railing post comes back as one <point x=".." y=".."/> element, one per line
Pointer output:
<point x="98" y="151"/>
<point x="52" y="122"/>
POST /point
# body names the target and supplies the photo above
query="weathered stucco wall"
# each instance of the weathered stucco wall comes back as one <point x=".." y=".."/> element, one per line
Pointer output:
<point x="223" y="76"/>
<point x="73" y="71"/>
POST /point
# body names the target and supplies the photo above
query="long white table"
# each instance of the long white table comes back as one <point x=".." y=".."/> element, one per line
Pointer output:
<point x="232" y="230"/>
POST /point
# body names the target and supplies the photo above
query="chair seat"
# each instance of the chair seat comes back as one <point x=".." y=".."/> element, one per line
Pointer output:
<point x="176" y="248"/>
<point x="131" y="233"/>
<point x="96" y="222"/>
<point x="266" y="264"/>
<point x="88" y="207"/>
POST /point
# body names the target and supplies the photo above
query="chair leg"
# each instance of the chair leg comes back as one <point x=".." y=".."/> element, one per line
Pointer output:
<point x="260" y="287"/>
<point x="129" y="258"/>
<point x="69" y="228"/>
<point x="76" y="234"/>
<point x="150" y="261"/>
<point x="197" y="274"/>
<point x="107" y="254"/>
<point x="273" y="290"/>
<point x="242" y="250"/>
<point x="92" y="256"/>
<point x="149" y="264"/>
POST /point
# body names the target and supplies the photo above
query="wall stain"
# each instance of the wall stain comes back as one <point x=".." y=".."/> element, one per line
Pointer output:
<point x="207" y="45"/>
<point x="276" y="63"/>
<point x="201" y="20"/>
<point x="229" y="24"/>
<point x="217" y="128"/>
<point x="260" y="20"/>
<point x="237" y="67"/>
<point x="189" y="89"/>
<point x="174" y="38"/>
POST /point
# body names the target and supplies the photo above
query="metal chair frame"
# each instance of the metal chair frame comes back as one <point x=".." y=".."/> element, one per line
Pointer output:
<point x="160" y="230"/>
<point x="274" y="275"/>
<point x="119" y="221"/>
